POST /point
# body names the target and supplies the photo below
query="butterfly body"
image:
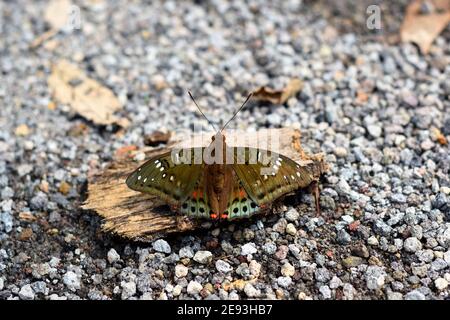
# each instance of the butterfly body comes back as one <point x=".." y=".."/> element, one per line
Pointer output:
<point x="221" y="185"/>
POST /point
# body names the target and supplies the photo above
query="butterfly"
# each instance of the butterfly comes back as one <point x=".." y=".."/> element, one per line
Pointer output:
<point x="219" y="182"/>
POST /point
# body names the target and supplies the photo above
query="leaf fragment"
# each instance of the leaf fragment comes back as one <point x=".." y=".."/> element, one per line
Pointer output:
<point x="422" y="29"/>
<point x="87" y="97"/>
<point x="278" y="96"/>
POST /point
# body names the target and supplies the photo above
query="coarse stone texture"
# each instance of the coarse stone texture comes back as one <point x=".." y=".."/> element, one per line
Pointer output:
<point x="378" y="111"/>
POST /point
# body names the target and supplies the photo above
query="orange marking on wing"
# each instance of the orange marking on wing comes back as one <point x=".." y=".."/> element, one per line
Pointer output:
<point x="242" y="193"/>
<point x="223" y="216"/>
<point x="213" y="215"/>
<point x="194" y="195"/>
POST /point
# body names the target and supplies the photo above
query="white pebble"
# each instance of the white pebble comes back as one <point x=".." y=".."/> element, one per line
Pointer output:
<point x="194" y="287"/>
<point x="113" y="256"/>
<point x="181" y="271"/>
<point x="441" y="283"/>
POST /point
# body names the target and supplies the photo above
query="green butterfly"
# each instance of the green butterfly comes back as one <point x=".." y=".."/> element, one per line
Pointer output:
<point x="202" y="187"/>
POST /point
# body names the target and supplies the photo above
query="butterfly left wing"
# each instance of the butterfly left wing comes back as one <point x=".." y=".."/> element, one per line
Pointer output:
<point x="162" y="177"/>
<point x="284" y="176"/>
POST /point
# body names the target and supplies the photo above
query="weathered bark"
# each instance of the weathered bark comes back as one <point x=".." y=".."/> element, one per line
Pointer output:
<point x="141" y="217"/>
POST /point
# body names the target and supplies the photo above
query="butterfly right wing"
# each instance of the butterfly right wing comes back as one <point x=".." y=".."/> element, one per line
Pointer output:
<point x="286" y="176"/>
<point x="161" y="177"/>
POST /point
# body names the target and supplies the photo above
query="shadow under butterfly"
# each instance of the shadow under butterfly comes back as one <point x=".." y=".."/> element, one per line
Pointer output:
<point x="219" y="182"/>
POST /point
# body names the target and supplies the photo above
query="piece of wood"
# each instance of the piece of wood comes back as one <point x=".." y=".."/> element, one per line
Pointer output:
<point x="142" y="217"/>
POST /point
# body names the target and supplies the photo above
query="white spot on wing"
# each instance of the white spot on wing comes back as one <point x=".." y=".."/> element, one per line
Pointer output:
<point x="298" y="174"/>
<point x="139" y="177"/>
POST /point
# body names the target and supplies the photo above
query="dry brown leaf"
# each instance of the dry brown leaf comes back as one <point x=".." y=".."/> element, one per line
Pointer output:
<point x="278" y="96"/>
<point x="87" y="97"/>
<point x="422" y="29"/>
<point x="156" y="138"/>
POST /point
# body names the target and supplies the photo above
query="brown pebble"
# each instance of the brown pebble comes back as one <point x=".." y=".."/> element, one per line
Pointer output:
<point x="360" y="251"/>
<point x="44" y="186"/>
<point x="64" y="188"/>
<point x="26" y="234"/>
<point x="212" y="244"/>
<point x="282" y="252"/>
<point x="27" y="216"/>
<point x="374" y="261"/>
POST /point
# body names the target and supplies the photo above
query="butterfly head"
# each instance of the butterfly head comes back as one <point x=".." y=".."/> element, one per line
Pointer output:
<point x="219" y="136"/>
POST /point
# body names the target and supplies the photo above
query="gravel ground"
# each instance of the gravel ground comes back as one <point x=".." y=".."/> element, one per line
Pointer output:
<point x="373" y="107"/>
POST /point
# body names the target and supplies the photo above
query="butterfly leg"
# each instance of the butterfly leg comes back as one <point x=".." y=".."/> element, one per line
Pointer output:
<point x="314" y="187"/>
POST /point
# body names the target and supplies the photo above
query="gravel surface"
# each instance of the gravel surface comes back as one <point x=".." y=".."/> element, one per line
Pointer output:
<point x="372" y="106"/>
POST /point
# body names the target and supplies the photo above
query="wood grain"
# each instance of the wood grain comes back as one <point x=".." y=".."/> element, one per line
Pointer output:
<point x="141" y="217"/>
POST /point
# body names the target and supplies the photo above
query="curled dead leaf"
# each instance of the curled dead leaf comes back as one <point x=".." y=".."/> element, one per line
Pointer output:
<point x="422" y="29"/>
<point x="156" y="138"/>
<point x="279" y="96"/>
<point x="87" y="97"/>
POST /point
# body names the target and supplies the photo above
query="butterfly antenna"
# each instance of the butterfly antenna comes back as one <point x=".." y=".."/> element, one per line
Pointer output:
<point x="237" y="111"/>
<point x="190" y="95"/>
